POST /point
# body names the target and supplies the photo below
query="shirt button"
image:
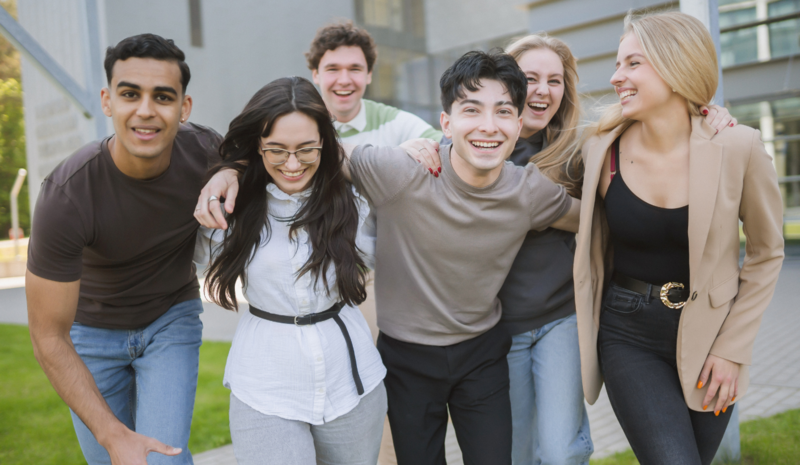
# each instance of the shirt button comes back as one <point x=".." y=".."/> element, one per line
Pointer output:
<point x="304" y="302"/>
<point x="694" y="295"/>
<point x="319" y="390"/>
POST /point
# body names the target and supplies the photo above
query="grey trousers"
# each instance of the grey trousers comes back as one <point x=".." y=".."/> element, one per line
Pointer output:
<point x="352" y="439"/>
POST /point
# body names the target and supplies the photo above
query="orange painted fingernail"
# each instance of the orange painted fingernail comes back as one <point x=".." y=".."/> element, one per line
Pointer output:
<point x="724" y="409"/>
<point x="705" y="407"/>
<point x="734" y="398"/>
<point x="716" y="413"/>
<point x="699" y="384"/>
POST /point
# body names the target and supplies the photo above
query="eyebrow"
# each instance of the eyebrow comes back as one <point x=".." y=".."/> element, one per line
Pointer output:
<point x="284" y="145"/>
<point x="552" y="75"/>
<point x="499" y="103"/>
<point x="348" y="65"/>
<point x="167" y="89"/>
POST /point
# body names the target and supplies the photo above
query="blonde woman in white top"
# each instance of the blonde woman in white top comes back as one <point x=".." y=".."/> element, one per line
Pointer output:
<point x="306" y="380"/>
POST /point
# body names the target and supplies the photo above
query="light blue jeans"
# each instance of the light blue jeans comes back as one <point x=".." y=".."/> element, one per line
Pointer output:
<point x="547" y="411"/>
<point x="148" y="377"/>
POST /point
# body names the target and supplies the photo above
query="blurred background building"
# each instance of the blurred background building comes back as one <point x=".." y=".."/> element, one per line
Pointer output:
<point x="235" y="47"/>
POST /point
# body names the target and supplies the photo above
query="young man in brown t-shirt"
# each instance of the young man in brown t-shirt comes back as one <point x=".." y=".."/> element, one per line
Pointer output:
<point x="113" y="298"/>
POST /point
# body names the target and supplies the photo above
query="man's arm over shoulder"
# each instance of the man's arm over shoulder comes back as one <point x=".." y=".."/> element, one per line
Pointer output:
<point x="381" y="173"/>
<point x="416" y="128"/>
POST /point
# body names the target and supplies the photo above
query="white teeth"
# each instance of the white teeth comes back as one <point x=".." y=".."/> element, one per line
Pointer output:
<point x="626" y="94"/>
<point x="541" y="106"/>
<point x="489" y="145"/>
<point x="343" y="92"/>
<point x="293" y="174"/>
<point x="145" y="131"/>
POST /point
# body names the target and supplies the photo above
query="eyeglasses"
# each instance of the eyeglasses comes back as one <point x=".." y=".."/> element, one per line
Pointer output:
<point x="306" y="155"/>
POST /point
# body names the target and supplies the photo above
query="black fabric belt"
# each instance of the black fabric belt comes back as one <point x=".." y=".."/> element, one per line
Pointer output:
<point x="312" y="319"/>
<point x="675" y="295"/>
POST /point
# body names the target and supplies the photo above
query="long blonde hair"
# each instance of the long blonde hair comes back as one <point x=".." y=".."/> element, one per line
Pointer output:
<point x="681" y="51"/>
<point x="559" y="161"/>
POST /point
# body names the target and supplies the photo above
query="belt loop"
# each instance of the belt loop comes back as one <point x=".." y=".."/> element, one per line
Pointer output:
<point x="649" y="291"/>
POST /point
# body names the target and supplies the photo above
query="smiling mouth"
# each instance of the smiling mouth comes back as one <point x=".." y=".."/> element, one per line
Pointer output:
<point x="292" y="174"/>
<point x="146" y="131"/>
<point x="626" y="94"/>
<point x="485" y="145"/>
<point x="538" y="106"/>
<point x="343" y="93"/>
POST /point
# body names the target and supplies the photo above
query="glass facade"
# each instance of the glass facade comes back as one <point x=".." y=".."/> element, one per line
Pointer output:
<point x="781" y="38"/>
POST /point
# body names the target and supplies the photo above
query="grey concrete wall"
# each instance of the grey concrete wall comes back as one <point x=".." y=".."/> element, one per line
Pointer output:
<point x="457" y="23"/>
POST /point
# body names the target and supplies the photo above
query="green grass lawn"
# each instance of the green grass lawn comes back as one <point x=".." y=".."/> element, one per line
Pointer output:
<point x="774" y="441"/>
<point x="35" y="424"/>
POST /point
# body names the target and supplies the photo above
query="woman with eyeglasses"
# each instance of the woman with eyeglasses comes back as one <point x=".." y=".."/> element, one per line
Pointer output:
<point x="666" y="316"/>
<point x="306" y="380"/>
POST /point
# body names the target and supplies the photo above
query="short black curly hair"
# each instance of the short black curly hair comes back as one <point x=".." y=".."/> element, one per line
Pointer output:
<point x="469" y="70"/>
<point x="147" y="46"/>
<point x="337" y="35"/>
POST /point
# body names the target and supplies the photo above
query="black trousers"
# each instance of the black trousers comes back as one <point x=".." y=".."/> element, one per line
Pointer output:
<point x="637" y="344"/>
<point x="470" y="379"/>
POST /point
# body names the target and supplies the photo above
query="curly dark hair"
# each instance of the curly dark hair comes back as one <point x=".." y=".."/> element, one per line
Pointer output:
<point x="336" y="35"/>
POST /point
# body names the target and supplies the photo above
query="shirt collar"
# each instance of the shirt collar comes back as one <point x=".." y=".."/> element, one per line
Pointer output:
<point x="359" y="123"/>
<point x="278" y="194"/>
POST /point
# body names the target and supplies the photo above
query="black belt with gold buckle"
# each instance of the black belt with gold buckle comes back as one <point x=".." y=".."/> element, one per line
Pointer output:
<point x="673" y="295"/>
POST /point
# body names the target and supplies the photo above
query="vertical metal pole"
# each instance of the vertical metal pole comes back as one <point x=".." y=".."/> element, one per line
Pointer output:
<point x="15" y="210"/>
<point x="93" y="66"/>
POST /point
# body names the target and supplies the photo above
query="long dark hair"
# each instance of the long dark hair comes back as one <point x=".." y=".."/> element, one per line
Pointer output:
<point x="330" y="214"/>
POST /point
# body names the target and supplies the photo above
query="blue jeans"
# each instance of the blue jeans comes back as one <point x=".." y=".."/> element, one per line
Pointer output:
<point x="148" y="377"/>
<point x="549" y="418"/>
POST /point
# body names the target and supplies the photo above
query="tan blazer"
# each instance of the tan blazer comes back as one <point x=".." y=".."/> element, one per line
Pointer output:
<point x="731" y="177"/>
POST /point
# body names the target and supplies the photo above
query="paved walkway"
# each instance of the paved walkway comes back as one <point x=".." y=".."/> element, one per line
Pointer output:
<point x="775" y="374"/>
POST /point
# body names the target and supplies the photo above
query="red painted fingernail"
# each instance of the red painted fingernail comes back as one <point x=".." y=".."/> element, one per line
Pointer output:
<point x="705" y="407"/>
<point x="440" y="169"/>
<point x="436" y="173"/>
<point x="431" y="171"/>
<point x="705" y="112"/>
<point x="731" y="124"/>
<point x="699" y="384"/>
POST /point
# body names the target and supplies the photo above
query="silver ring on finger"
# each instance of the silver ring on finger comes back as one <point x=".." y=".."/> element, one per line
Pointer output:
<point x="212" y="198"/>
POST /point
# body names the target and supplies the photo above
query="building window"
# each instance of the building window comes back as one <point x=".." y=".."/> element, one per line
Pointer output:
<point x="195" y="23"/>
<point x="761" y="42"/>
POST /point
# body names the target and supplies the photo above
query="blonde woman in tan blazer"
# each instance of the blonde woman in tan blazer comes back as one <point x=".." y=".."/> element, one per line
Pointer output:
<point x="662" y="201"/>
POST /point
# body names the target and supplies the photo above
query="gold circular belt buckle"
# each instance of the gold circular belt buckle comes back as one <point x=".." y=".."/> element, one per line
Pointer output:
<point x="664" y="298"/>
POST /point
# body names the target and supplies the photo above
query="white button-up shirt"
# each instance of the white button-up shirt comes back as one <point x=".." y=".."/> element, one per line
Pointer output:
<point x="296" y="372"/>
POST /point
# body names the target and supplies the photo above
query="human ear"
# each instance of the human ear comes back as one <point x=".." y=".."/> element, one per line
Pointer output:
<point x="444" y="121"/>
<point x="105" y="101"/>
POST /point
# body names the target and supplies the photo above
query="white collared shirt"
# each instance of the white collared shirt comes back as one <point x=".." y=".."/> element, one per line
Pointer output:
<point x="296" y="372"/>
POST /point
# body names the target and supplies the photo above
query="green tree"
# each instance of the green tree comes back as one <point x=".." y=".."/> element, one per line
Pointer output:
<point x="12" y="154"/>
<point x="12" y="132"/>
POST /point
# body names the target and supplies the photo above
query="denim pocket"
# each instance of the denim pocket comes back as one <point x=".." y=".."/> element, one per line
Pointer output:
<point x="622" y="301"/>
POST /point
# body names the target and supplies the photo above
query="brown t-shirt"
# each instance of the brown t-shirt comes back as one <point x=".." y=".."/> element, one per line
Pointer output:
<point x="129" y="241"/>
<point x="444" y="247"/>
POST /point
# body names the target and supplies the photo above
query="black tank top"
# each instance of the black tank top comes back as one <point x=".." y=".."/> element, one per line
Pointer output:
<point x="651" y="243"/>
